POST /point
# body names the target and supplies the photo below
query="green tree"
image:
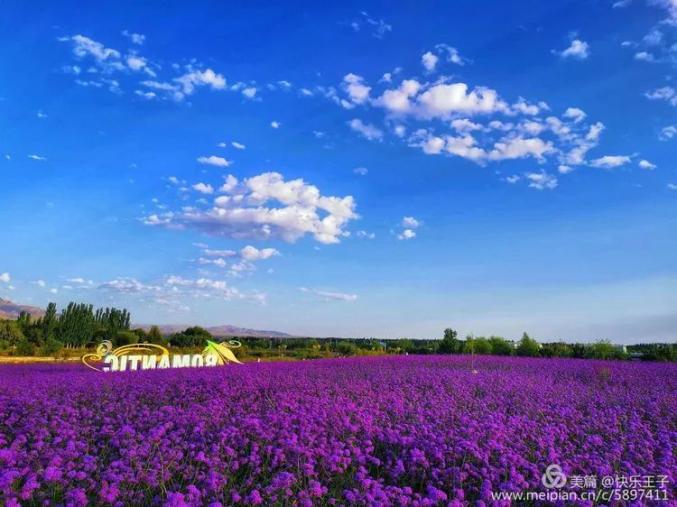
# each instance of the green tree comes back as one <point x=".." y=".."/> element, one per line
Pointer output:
<point x="604" y="349"/>
<point x="51" y="347"/>
<point x="125" y="338"/>
<point x="25" y="348"/>
<point x="479" y="345"/>
<point x="10" y="333"/>
<point x="556" y="349"/>
<point x="450" y="343"/>
<point x="195" y="336"/>
<point x="346" y="348"/>
<point x="49" y="321"/>
<point x="500" y="346"/>
<point x="155" y="336"/>
<point x="527" y="346"/>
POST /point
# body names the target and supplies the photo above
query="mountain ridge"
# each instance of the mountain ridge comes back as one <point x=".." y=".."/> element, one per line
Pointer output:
<point x="11" y="310"/>
<point x="221" y="330"/>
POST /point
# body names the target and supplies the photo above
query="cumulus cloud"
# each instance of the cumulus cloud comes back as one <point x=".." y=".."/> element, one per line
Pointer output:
<point x="575" y="114"/>
<point x="362" y="171"/>
<point x="39" y="158"/>
<point x="328" y="295"/>
<point x="203" y="188"/>
<point x="578" y="50"/>
<point x="107" y="61"/>
<point x="367" y="130"/>
<point x="214" y="160"/>
<point x="429" y="61"/>
<point x="357" y="91"/>
<point x="645" y="164"/>
<point x="238" y="146"/>
<point x="5" y="277"/>
<point x="265" y="207"/>
<point x="406" y="234"/>
<point x="408" y="224"/>
<point x="610" y="161"/>
<point x="252" y="254"/>
<point x="541" y="181"/>
<point x="275" y="124"/>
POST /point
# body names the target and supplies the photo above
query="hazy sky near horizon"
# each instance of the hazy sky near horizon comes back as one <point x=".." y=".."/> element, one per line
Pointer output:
<point x="358" y="169"/>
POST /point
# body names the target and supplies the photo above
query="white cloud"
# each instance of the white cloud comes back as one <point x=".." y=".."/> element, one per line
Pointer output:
<point x="480" y="125"/>
<point x="379" y="28"/>
<point x="249" y="92"/>
<point x="610" y="161"/>
<point x="406" y="234"/>
<point x="5" y="277"/>
<point x="40" y="114"/>
<point x="541" y="181"/>
<point x="203" y="188"/>
<point x="429" y="61"/>
<point x="39" y="158"/>
<point x="410" y="223"/>
<point x="355" y="88"/>
<point x="666" y="93"/>
<point x="645" y="164"/>
<point x="229" y="184"/>
<point x="136" y="38"/>
<point x="512" y="179"/>
<point x="171" y="289"/>
<point x="574" y="113"/>
<point x="238" y="146"/>
<point x="135" y="62"/>
<point x="443" y="100"/>
<point x="452" y="53"/>
<point x="330" y="296"/>
<point x="265" y="207"/>
<point x="214" y="160"/>
<point x="367" y="130"/>
<point x="564" y="169"/>
<point x="644" y="56"/>
<point x="668" y="133"/>
<point x="275" y="124"/>
<point x="252" y="254"/>
<point x="362" y="171"/>
<point x="210" y="252"/>
<point x="84" y="46"/>
<point x="196" y="78"/>
<point x="365" y="235"/>
<point x="220" y="262"/>
<point x="518" y="147"/>
<point x="578" y="50"/>
<point x="672" y="186"/>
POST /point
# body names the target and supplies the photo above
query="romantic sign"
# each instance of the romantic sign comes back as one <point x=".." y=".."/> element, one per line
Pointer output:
<point x="149" y="356"/>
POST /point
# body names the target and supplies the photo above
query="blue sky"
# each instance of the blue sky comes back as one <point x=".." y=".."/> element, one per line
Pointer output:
<point x="350" y="170"/>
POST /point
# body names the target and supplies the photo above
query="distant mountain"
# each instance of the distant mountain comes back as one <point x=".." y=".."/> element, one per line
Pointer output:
<point x="224" y="330"/>
<point x="10" y="310"/>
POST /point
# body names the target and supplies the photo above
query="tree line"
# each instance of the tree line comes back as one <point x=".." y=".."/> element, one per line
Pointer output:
<point x="79" y="325"/>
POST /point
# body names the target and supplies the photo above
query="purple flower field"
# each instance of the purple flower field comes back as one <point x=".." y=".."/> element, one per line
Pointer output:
<point x="375" y="431"/>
